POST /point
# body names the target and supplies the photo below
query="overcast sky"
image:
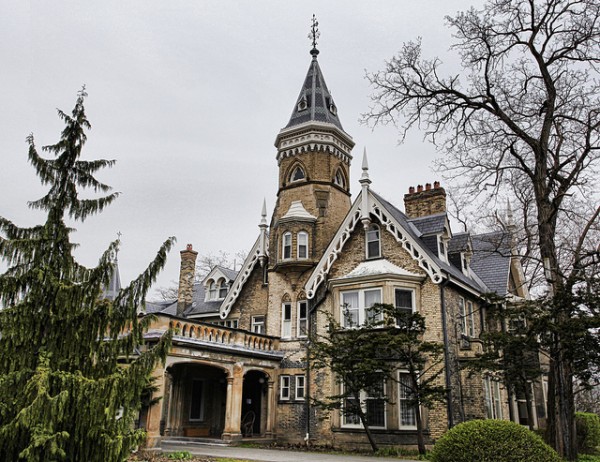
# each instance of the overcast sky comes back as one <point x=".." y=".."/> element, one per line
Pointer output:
<point x="188" y="97"/>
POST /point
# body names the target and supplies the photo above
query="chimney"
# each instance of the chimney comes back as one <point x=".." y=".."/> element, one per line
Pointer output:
<point x="424" y="202"/>
<point x="186" y="279"/>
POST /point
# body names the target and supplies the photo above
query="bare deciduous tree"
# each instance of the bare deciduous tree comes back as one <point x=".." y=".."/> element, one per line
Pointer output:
<point x="524" y="111"/>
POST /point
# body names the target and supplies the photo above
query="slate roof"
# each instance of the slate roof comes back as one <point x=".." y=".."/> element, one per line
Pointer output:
<point x="431" y="224"/>
<point x="318" y="100"/>
<point x="475" y="283"/>
<point x="157" y="307"/>
<point x="458" y="243"/>
<point x="491" y="260"/>
<point x="229" y="273"/>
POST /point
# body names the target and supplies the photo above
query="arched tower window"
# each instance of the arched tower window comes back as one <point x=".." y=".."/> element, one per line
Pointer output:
<point x="297" y="174"/>
<point x="339" y="179"/>
<point x="286" y="246"/>
<point x="373" y="242"/>
<point x="302" y="244"/>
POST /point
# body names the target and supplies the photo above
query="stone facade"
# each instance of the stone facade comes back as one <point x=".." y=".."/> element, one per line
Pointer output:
<point x="238" y="363"/>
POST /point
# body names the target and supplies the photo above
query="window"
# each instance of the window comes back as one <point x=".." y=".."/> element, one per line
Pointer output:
<point x="470" y="320"/>
<point x="286" y="320"/>
<point x="300" y="387"/>
<point x="373" y="244"/>
<point x="287" y="246"/>
<point x="302" y="245"/>
<point x="233" y="323"/>
<point x="284" y="387"/>
<point x="462" y="316"/>
<point x="197" y="401"/>
<point x="356" y="306"/>
<point x="222" y="288"/>
<point x="258" y="324"/>
<point x="442" y="248"/>
<point x="405" y="300"/>
<point x="212" y="290"/>
<point x="339" y="179"/>
<point x="302" y="318"/>
<point x="493" y="404"/>
<point x="372" y="403"/>
<point x="297" y="174"/>
<point x="407" y="407"/>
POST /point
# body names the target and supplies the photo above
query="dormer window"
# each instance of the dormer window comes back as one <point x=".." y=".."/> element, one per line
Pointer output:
<point x="286" y="250"/>
<point x="297" y="174"/>
<point x="302" y="104"/>
<point x="339" y="179"/>
<point x="373" y="242"/>
<point x="222" y="289"/>
<point x="464" y="262"/>
<point x="442" y="248"/>
<point x="302" y="245"/>
<point x="212" y="290"/>
<point x="333" y="109"/>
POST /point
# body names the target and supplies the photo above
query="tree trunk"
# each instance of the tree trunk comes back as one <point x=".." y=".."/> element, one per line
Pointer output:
<point x="420" y="437"/>
<point x="363" y="419"/>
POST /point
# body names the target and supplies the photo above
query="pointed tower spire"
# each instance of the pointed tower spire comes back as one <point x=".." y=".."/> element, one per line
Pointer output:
<point x="263" y="250"/>
<point x="315" y="102"/>
<point x="365" y="181"/>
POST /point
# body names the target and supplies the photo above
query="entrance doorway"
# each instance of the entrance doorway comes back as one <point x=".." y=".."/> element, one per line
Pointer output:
<point x="254" y="403"/>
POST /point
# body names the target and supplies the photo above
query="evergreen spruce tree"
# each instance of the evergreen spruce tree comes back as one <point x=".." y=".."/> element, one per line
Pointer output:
<point x="70" y="383"/>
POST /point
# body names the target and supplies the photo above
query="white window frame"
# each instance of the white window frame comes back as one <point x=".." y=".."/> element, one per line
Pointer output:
<point x="302" y="241"/>
<point x="401" y="402"/>
<point x="364" y="399"/>
<point x="285" y="387"/>
<point x="258" y="324"/>
<point x="293" y="174"/>
<point x="493" y="399"/>
<point x="339" y="178"/>
<point x="302" y="324"/>
<point x="222" y="285"/>
<point x="471" y="319"/>
<point x="413" y="297"/>
<point x="361" y="308"/>
<point x="286" y="243"/>
<point x="462" y="315"/>
<point x="212" y="290"/>
<point x="368" y="234"/>
<point x="300" y="387"/>
<point x="200" y="418"/>
<point x="286" y="323"/>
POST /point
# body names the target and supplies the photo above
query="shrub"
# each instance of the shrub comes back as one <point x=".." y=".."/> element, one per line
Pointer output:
<point x="492" y="441"/>
<point x="588" y="432"/>
<point x="180" y="455"/>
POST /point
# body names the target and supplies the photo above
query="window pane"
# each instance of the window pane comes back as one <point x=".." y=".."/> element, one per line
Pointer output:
<point x="371" y="298"/>
<point x="349" y="417"/>
<point x="376" y="412"/>
<point x="350" y="308"/>
<point x="373" y="243"/>
<point x="408" y="416"/>
<point x="302" y="319"/>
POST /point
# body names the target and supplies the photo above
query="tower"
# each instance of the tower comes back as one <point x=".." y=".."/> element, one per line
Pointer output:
<point x="313" y="156"/>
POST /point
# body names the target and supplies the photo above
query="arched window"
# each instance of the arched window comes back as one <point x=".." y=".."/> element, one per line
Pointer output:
<point x="297" y="174"/>
<point x="373" y="242"/>
<point x="212" y="290"/>
<point x="339" y="179"/>
<point x="222" y="288"/>
<point x="286" y="248"/>
<point x="302" y="244"/>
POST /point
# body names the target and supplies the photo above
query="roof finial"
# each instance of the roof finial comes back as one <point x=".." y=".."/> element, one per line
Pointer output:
<point x="263" y="214"/>
<point x="313" y="35"/>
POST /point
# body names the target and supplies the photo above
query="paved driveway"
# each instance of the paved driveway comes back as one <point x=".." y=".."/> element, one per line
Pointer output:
<point x="270" y="455"/>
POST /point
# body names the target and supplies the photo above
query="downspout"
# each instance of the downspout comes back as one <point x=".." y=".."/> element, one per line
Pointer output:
<point x="314" y="304"/>
<point x="446" y="355"/>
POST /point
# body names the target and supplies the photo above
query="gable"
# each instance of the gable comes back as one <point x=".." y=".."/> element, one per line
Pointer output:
<point x="399" y="230"/>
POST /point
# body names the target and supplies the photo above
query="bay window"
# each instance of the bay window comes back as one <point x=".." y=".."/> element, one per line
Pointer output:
<point x="356" y="307"/>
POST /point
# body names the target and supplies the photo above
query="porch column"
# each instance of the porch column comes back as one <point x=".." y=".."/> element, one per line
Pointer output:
<point x="270" y="410"/>
<point x="155" y="411"/>
<point x="233" y="413"/>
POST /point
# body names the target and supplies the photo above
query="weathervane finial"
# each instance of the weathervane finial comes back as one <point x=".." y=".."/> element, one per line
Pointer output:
<point x="314" y="35"/>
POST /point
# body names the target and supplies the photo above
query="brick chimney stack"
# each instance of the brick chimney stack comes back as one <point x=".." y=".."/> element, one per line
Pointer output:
<point x="186" y="279"/>
<point x="425" y="201"/>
